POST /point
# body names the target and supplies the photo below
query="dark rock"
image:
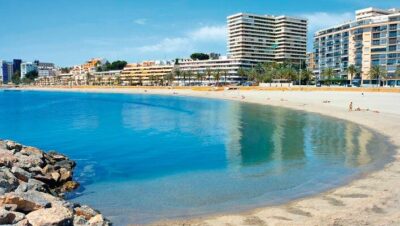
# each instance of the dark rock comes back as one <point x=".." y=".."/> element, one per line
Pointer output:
<point x="9" y="217"/>
<point x="21" y="174"/>
<point x="8" y="182"/>
<point x="11" y="145"/>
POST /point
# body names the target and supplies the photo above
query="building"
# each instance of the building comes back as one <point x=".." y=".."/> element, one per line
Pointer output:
<point x="146" y="73"/>
<point x="228" y="69"/>
<point x="264" y="38"/>
<point x="17" y="65"/>
<point x="372" y="39"/>
<point x="89" y="66"/>
<point x="6" y="72"/>
<point x="46" y="69"/>
<point x="27" y="67"/>
<point x="310" y="61"/>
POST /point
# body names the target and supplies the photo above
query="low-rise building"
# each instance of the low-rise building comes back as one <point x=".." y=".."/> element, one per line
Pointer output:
<point x="146" y="73"/>
<point x="46" y="69"/>
<point x="89" y="66"/>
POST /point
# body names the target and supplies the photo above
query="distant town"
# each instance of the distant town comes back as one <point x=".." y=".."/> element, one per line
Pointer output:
<point x="261" y="49"/>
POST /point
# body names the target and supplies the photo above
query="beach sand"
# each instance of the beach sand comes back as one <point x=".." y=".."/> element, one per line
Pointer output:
<point x="373" y="199"/>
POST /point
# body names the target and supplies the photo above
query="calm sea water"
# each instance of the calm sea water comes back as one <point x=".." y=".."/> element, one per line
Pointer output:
<point x="144" y="158"/>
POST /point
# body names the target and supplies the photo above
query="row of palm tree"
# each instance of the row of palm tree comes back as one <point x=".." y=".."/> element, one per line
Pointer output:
<point x="271" y="72"/>
<point x="376" y="72"/>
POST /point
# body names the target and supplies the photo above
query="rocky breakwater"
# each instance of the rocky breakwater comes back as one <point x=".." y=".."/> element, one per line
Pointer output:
<point x="32" y="186"/>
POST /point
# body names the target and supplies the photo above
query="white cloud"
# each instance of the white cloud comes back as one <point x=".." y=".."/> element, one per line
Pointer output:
<point x="140" y="21"/>
<point x="321" y="20"/>
<point x="167" y="45"/>
<point x="209" y="33"/>
<point x="188" y="42"/>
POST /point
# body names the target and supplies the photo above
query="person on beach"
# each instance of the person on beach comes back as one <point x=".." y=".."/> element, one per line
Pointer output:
<point x="351" y="106"/>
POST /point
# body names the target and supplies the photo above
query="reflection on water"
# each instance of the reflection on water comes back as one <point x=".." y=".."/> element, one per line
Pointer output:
<point x="145" y="158"/>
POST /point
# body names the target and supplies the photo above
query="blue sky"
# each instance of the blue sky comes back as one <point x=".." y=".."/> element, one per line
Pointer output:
<point x="68" y="32"/>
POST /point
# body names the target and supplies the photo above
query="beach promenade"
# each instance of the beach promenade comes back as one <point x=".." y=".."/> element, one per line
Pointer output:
<point x="372" y="199"/>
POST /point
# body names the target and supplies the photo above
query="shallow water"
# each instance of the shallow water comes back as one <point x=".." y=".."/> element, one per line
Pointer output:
<point x="144" y="158"/>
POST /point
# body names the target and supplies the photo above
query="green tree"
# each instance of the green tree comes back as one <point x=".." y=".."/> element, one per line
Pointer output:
<point x="217" y="77"/>
<point x="397" y="72"/>
<point x="328" y="74"/>
<point x="378" y="73"/>
<point x="307" y="76"/>
<point x="189" y="75"/>
<point x="242" y="74"/>
<point x="199" y="77"/>
<point x="16" y="77"/>
<point x="170" y="77"/>
<point x="30" y="77"/>
<point x="199" y="56"/>
<point x="209" y="73"/>
<point x="352" y="70"/>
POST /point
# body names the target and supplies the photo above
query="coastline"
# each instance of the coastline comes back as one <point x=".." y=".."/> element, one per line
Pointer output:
<point x="368" y="200"/>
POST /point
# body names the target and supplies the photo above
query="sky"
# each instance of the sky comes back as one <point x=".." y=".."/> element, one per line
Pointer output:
<point x="69" y="32"/>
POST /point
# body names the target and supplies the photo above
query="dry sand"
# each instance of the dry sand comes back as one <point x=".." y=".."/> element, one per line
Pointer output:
<point x="372" y="200"/>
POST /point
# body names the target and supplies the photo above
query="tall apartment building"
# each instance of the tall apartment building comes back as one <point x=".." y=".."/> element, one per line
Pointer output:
<point x="262" y="38"/>
<point x="373" y="38"/>
<point x="6" y="71"/>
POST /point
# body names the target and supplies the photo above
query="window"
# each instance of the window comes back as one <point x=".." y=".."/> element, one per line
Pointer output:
<point x="376" y="35"/>
<point x="392" y="48"/>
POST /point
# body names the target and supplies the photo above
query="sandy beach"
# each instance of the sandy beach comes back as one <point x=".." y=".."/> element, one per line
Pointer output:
<point x="373" y="199"/>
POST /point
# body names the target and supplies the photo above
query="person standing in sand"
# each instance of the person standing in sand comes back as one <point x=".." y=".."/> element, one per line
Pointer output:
<point x="351" y="106"/>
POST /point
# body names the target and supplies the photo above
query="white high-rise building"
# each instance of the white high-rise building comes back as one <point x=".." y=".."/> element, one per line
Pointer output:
<point x="264" y="38"/>
<point x="27" y="67"/>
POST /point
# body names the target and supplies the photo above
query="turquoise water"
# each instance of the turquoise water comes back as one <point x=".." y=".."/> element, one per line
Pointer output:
<point x="144" y="158"/>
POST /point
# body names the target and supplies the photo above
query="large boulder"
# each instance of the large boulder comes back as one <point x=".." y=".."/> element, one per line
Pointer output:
<point x="54" y="216"/>
<point x="11" y="145"/>
<point x="7" y="158"/>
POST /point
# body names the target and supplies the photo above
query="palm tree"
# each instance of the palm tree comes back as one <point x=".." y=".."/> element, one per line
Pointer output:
<point x="377" y="72"/>
<point x="397" y="72"/>
<point x="217" y="77"/>
<point x="98" y="79"/>
<point x="184" y="77"/>
<point x="199" y="77"/>
<point x="225" y="73"/>
<point x="306" y="75"/>
<point x="177" y="73"/>
<point x="352" y="70"/>
<point x="328" y="74"/>
<point x="118" y="80"/>
<point x="189" y="74"/>
<point x="242" y="74"/>
<point x="170" y="78"/>
<point x="209" y="73"/>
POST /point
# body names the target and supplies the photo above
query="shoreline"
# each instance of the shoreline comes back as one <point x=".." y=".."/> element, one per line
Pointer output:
<point x="367" y="200"/>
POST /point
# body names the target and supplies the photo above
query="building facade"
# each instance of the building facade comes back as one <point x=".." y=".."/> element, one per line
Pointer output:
<point x="6" y="71"/>
<point x="27" y="67"/>
<point x="89" y="66"/>
<point x="226" y="67"/>
<point x="372" y="39"/>
<point x="264" y="38"/>
<point x="46" y="69"/>
<point x="146" y="73"/>
<point x="310" y="62"/>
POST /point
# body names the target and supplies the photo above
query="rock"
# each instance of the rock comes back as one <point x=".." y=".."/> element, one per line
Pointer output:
<point x="85" y="212"/>
<point x="11" y="145"/>
<point x="23" y="205"/>
<point x="26" y="162"/>
<point x="69" y="186"/>
<point x="21" y="173"/>
<point x="8" y="182"/>
<point x="9" y="217"/>
<point x="80" y="221"/>
<point x="7" y="158"/>
<point x="57" y="216"/>
<point x="67" y="164"/>
<point x="24" y="222"/>
<point x="98" y="220"/>
<point x="57" y="156"/>
<point x="37" y="185"/>
<point x="56" y="176"/>
<point x="66" y="175"/>
<point x="32" y="151"/>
